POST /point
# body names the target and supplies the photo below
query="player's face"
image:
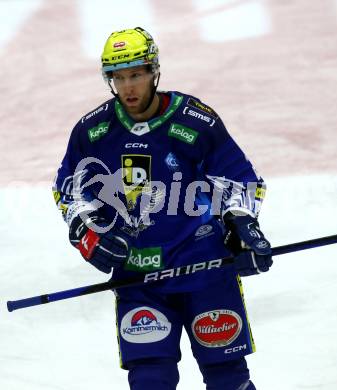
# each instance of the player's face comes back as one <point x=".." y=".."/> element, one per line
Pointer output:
<point x="134" y="88"/>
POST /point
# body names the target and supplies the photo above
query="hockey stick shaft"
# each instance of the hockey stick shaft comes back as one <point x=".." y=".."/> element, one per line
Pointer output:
<point x="160" y="275"/>
<point x="303" y="245"/>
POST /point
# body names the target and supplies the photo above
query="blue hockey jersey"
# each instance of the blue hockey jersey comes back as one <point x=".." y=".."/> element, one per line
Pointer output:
<point x="164" y="183"/>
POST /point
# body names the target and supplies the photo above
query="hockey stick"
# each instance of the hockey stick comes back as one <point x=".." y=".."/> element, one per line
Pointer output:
<point x="160" y="275"/>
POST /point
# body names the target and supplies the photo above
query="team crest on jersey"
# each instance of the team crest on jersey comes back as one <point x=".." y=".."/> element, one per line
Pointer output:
<point x="136" y="176"/>
<point x="136" y="226"/>
<point x="153" y="199"/>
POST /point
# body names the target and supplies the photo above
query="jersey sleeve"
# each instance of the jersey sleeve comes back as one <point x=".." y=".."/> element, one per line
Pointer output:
<point x="71" y="195"/>
<point x="235" y="182"/>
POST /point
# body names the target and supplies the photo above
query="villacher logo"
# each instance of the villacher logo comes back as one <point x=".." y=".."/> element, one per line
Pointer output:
<point x="216" y="328"/>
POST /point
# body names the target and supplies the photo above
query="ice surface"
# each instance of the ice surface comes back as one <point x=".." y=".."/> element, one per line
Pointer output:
<point x="101" y="17"/>
<point x="71" y="345"/>
<point x="246" y="20"/>
<point x="13" y="13"/>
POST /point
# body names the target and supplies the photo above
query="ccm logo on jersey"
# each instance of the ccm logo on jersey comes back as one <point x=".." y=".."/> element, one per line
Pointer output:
<point x="136" y="145"/>
<point x="189" y="111"/>
<point x="236" y="349"/>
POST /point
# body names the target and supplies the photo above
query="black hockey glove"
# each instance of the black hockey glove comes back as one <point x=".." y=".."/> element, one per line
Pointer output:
<point x="103" y="250"/>
<point x="251" y="250"/>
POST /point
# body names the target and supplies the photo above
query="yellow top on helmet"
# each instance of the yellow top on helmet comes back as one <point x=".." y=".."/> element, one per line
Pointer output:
<point x="128" y="48"/>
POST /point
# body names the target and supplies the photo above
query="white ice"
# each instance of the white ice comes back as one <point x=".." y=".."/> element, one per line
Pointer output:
<point x="101" y="17"/>
<point x="71" y="344"/>
<point x="241" y="20"/>
<point x="13" y="13"/>
<point x="218" y="20"/>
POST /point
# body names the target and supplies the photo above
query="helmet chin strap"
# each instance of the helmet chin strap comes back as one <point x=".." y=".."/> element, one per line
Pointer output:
<point x="153" y="92"/>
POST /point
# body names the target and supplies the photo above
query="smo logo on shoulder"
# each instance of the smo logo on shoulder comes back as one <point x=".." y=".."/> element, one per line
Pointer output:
<point x="144" y="325"/>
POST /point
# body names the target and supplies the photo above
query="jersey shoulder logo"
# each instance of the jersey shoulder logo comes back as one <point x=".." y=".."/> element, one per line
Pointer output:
<point x="198" y="115"/>
<point x="202" y="107"/>
<point x="97" y="132"/>
<point x="91" y="114"/>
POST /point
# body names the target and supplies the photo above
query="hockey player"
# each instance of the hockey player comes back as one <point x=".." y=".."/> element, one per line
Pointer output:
<point x="150" y="181"/>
